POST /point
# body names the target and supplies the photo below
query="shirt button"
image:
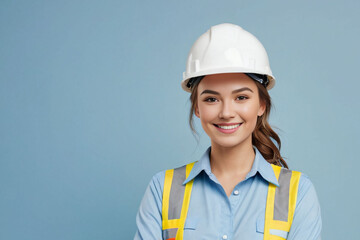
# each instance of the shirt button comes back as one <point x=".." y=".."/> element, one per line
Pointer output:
<point x="236" y="192"/>
<point x="224" y="237"/>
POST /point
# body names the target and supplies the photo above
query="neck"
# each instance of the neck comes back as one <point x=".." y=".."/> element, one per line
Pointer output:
<point x="232" y="161"/>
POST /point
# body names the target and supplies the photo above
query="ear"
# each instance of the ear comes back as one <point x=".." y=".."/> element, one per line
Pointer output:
<point x="197" y="113"/>
<point x="261" y="109"/>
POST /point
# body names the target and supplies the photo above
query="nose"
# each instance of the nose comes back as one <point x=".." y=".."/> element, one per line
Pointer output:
<point x="227" y="110"/>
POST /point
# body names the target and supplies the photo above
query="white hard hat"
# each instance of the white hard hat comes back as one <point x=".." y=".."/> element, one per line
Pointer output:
<point x="227" y="48"/>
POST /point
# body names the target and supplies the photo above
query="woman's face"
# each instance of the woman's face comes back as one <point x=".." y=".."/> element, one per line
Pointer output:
<point x="230" y="99"/>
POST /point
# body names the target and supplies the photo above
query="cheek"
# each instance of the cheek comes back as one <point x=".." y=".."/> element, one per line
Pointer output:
<point x="249" y="112"/>
<point x="207" y="112"/>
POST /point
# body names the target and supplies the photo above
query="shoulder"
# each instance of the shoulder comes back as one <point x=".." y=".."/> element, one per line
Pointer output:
<point x="304" y="179"/>
<point x="306" y="191"/>
<point x="307" y="222"/>
<point x="158" y="179"/>
<point x="305" y="185"/>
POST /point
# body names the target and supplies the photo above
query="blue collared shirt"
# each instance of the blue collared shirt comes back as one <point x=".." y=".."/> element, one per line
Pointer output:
<point x="214" y="215"/>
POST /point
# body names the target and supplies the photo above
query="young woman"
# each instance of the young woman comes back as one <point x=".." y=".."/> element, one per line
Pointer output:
<point x="241" y="188"/>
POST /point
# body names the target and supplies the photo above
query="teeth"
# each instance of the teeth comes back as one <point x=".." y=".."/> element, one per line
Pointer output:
<point x="229" y="127"/>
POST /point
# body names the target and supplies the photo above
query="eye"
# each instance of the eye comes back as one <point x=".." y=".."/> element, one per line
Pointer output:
<point x="210" y="99"/>
<point x="242" y="97"/>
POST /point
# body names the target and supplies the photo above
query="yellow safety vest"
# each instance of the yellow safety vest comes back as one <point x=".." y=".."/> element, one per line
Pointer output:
<point x="279" y="212"/>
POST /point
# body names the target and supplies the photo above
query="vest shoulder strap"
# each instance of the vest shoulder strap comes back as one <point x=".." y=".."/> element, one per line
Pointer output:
<point x="281" y="203"/>
<point x="175" y="202"/>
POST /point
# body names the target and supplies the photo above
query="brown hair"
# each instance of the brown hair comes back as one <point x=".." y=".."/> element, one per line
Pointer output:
<point x="263" y="133"/>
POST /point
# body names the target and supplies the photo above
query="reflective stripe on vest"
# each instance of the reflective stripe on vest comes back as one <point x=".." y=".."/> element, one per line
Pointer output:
<point x="280" y="204"/>
<point x="176" y="199"/>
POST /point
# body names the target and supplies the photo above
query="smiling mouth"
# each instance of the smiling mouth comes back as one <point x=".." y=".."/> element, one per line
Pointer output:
<point x="228" y="127"/>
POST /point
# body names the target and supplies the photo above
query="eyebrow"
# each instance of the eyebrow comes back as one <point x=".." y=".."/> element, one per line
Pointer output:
<point x="235" y="91"/>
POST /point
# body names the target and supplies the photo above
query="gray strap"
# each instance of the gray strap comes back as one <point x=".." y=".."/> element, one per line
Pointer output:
<point x="169" y="233"/>
<point x="177" y="193"/>
<point x="281" y="206"/>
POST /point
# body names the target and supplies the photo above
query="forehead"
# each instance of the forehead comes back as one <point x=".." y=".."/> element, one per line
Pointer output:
<point x="225" y="82"/>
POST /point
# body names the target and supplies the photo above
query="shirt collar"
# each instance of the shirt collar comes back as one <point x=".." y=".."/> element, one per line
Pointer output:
<point x="260" y="165"/>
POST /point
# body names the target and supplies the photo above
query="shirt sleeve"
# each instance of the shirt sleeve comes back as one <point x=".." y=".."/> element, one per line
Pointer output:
<point x="307" y="223"/>
<point x="148" y="218"/>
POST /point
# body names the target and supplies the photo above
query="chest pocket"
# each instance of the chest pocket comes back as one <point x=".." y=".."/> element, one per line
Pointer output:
<point x="191" y="223"/>
<point x="260" y="223"/>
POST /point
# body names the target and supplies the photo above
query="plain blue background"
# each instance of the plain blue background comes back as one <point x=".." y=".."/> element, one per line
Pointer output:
<point x="91" y="106"/>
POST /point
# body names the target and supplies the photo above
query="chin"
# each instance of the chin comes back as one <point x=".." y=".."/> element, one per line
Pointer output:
<point x="227" y="144"/>
<point x="230" y="141"/>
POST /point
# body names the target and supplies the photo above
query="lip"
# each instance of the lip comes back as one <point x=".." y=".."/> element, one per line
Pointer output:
<point x="227" y="124"/>
<point x="228" y="131"/>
